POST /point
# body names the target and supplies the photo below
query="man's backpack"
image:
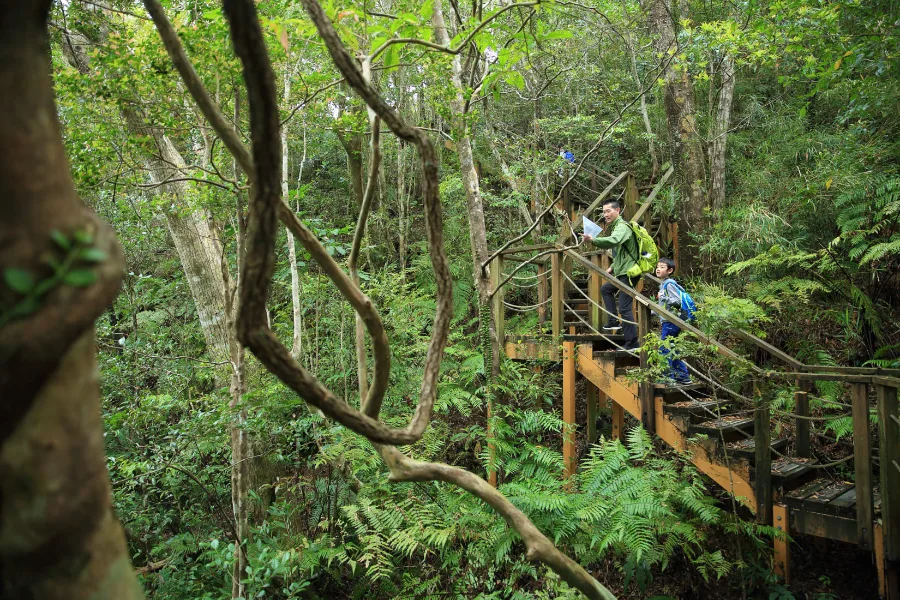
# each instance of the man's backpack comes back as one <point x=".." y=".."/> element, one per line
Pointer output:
<point x="648" y="252"/>
<point x="688" y="306"/>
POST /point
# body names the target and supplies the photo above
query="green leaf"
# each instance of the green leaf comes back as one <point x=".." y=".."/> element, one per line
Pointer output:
<point x="515" y="78"/>
<point x="80" y="277"/>
<point x="61" y="240"/>
<point x="390" y="57"/>
<point x="19" y="280"/>
<point x="560" y="34"/>
<point x="94" y="255"/>
<point x="427" y="9"/>
<point x="83" y="237"/>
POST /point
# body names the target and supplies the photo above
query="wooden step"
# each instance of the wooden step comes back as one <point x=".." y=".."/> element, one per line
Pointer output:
<point x="672" y="389"/>
<point x="747" y="447"/>
<point x="698" y="408"/>
<point x="785" y="470"/>
<point x="824" y="495"/>
<point x="726" y="425"/>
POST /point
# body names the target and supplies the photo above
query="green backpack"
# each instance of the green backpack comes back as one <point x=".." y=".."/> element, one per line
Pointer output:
<point x="649" y="254"/>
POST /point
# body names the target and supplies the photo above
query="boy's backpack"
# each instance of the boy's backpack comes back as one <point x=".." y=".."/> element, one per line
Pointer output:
<point x="688" y="306"/>
<point x="647" y="249"/>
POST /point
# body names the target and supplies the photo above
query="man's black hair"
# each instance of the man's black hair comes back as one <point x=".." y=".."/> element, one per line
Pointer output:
<point x="615" y="204"/>
<point x="667" y="261"/>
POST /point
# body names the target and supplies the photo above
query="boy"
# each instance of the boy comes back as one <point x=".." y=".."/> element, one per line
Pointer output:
<point x="670" y="297"/>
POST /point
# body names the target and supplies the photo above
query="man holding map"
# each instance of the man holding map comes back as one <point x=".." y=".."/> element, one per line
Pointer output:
<point x="625" y="249"/>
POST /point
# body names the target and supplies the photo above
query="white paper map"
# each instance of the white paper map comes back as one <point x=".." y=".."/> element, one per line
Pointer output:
<point x="591" y="228"/>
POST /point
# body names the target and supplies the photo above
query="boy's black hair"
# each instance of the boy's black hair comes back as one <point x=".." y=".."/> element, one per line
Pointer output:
<point x="667" y="261"/>
<point x="615" y="204"/>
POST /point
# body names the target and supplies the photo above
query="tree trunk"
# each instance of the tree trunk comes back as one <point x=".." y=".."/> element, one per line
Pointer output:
<point x="297" y="338"/>
<point x="353" y="144"/>
<point x="59" y="538"/>
<point x="477" y="230"/>
<point x="720" y="137"/>
<point x="687" y="145"/>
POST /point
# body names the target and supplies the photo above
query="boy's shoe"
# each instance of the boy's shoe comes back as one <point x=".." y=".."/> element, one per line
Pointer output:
<point x="612" y="329"/>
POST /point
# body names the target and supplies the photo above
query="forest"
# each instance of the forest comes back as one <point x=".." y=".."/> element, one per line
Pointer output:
<point x="296" y="299"/>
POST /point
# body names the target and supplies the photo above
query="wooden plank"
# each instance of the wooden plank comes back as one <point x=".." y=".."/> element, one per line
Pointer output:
<point x="593" y="400"/>
<point x="824" y="526"/>
<point x="889" y="448"/>
<point x="844" y="501"/>
<point x="569" y="408"/>
<point x="782" y="542"/>
<point x="556" y="297"/>
<point x="862" y="461"/>
<point x="801" y="409"/>
<point x="853" y="370"/>
<point x="807" y="489"/>
<point x="822" y="497"/>
<point x="645" y="389"/>
<point x="527" y="249"/>
<point x="618" y="421"/>
<point x="498" y="307"/>
<point x="659" y="186"/>
<point x="763" y="466"/>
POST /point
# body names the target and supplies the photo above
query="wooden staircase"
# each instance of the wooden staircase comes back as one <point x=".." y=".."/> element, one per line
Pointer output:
<point x="725" y="433"/>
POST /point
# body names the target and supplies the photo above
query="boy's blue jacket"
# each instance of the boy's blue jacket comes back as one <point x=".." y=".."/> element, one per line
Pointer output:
<point x="668" y="296"/>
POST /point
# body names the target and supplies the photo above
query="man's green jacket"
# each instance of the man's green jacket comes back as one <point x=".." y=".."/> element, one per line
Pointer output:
<point x="622" y="238"/>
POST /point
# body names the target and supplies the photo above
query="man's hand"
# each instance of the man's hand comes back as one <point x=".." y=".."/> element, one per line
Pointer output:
<point x="586" y="238"/>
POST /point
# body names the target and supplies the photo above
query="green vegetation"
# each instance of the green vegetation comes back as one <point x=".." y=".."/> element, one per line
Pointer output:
<point x="782" y="121"/>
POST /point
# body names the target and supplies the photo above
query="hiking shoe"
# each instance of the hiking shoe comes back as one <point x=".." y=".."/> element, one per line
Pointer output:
<point x="612" y="329"/>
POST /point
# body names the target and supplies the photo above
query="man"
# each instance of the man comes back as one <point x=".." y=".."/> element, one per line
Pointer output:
<point x="625" y="254"/>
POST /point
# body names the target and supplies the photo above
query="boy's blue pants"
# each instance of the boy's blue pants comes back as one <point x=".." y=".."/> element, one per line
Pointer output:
<point x="677" y="369"/>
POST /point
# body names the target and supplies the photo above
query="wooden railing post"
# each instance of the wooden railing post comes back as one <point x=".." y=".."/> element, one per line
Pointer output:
<point x="568" y="408"/>
<point x="763" y="467"/>
<point x="801" y="409"/>
<point x="594" y="295"/>
<point x="605" y="263"/>
<point x="862" y="462"/>
<point x="556" y="301"/>
<point x="498" y="308"/>
<point x="889" y="448"/>
<point x="645" y="389"/>
<point x="542" y="293"/>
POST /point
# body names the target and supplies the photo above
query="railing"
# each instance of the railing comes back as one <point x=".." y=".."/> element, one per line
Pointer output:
<point x="549" y="270"/>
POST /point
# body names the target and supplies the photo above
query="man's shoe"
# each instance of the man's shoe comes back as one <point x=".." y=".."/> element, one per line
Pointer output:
<point x="632" y="346"/>
<point x="612" y="329"/>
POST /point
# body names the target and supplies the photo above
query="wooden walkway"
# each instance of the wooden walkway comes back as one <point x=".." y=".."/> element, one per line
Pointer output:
<point x="726" y="433"/>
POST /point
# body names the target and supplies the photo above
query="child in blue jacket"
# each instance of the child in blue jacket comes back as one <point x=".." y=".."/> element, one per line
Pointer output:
<point x="670" y="297"/>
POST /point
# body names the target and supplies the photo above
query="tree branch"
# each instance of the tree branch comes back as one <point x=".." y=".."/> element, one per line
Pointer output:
<point x="445" y="49"/>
